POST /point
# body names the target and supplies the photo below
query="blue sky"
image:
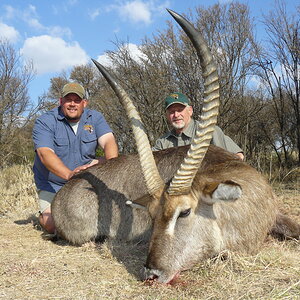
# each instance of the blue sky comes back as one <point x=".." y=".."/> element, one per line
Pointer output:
<point x="59" y="34"/>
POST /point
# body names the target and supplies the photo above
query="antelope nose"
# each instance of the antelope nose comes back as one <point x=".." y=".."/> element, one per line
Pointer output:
<point x="149" y="274"/>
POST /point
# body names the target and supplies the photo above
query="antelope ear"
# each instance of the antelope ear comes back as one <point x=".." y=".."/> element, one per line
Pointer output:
<point x="221" y="191"/>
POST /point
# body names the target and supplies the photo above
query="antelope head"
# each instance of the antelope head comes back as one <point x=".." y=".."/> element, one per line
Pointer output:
<point x="174" y="207"/>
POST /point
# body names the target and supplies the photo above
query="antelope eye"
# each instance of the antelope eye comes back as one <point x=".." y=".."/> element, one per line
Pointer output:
<point x="184" y="213"/>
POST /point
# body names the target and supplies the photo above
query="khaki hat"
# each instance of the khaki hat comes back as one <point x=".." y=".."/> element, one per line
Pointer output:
<point x="75" y="88"/>
<point x="176" y="98"/>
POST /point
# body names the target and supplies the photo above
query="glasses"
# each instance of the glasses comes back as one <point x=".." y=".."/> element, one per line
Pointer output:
<point x="76" y="101"/>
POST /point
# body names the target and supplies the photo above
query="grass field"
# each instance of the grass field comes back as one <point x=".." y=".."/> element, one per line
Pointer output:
<point x="34" y="267"/>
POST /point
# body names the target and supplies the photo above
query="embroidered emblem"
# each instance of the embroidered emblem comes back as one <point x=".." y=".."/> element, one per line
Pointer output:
<point x="175" y="96"/>
<point x="89" y="128"/>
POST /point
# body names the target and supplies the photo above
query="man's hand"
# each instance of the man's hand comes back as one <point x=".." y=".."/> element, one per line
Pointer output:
<point x="94" y="162"/>
<point x="240" y="155"/>
<point x="78" y="169"/>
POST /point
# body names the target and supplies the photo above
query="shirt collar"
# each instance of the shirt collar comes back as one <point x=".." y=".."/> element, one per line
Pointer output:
<point x="60" y="115"/>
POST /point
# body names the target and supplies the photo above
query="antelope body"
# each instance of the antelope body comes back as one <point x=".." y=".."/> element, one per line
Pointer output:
<point x="93" y="204"/>
<point x="189" y="202"/>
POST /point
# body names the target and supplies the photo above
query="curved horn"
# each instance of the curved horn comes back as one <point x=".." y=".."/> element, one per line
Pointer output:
<point x="150" y="171"/>
<point x="183" y="179"/>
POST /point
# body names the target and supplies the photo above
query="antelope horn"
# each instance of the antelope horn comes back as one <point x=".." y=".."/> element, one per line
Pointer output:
<point x="183" y="179"/>
<point x="150" y="171"/>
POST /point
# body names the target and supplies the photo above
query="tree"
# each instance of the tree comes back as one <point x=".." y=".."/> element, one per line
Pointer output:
<point x="259" y="119"/>
<point x="229" y="32"/>
<point x="16" y="110"/>
<point x="278" y="67"/>
<point x="168" y="63"/>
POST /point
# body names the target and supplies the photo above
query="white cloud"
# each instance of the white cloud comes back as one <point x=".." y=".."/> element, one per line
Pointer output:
<point x="134" y="52"/>
<point x="136" y="11"/>
<point x="160" y="7"/>
<point x="34" y="23"/>
<point x="72" y="2"/>
<point x="31" y="18"/>
<point x="104" y="60"/>
<point x="9" y="12"/>
<point x="8" y="33"/>
<point x="52" y="54"/>
<point x="94" y="13"/>
<point x="59" y="31"/>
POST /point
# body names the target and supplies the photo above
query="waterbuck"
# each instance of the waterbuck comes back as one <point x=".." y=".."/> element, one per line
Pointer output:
<point x="191" y="203"/>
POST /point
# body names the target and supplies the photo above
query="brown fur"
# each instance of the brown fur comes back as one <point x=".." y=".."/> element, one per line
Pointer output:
<point x="93" y="205"/>
<point x="89" y="205"/>
<point x="240" y="225"/>
<point x="285" y="228"/>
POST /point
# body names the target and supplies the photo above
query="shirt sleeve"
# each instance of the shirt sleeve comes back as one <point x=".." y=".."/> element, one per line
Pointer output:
<point x="231" y="146"/>
<point x="101" y="126"/>
<point x="223" y="141"/>
<point x="43" y="133"/>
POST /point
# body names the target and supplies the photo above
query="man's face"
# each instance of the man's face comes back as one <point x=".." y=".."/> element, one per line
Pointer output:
<point x="72" y="106"/>
<point x="179" y="116"/>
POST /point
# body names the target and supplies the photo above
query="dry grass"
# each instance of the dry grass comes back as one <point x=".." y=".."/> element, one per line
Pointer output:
<point x="17" y="191"/>
<point x="34" y="267"/>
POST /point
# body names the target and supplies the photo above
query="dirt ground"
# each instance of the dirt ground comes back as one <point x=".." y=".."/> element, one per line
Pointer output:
<point x="35" y="267"/>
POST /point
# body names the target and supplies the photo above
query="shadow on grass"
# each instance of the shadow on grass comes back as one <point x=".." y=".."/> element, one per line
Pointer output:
<point x="33" y="219"/>
<point x="131" y="255"/>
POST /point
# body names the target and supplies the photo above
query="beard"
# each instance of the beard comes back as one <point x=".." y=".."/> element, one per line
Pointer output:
<point x="178" y="125"/>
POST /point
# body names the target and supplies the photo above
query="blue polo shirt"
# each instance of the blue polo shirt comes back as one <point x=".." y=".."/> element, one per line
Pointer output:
<point x="52" y="130"/>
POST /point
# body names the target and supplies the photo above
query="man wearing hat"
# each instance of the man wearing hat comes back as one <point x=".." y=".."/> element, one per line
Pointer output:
<point x="179" y="114"/>
<point x="65" y="141"/>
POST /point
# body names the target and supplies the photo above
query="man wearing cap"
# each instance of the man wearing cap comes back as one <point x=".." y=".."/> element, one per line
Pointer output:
<point x="65" y="141"/>
<point x="179" y="114"/>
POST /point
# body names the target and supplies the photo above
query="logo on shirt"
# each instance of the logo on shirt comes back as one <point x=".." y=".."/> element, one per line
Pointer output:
<point x="89" y="128"/>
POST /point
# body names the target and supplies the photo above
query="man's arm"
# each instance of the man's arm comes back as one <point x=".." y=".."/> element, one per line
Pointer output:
<point x="108" y="143"/>
<point x="224" y="141"/>
<point x="233" y="147"/>
<point x="54" y="164"/>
